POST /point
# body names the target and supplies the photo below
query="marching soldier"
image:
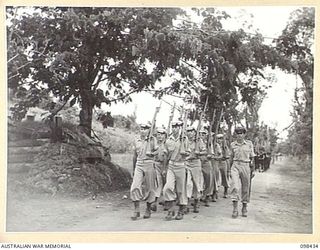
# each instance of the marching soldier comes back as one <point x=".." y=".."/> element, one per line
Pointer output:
<point x="160" y="162"/>
<point x="193" y="165"/>
<point x="175" y="187"/>
<point x="222" y="155"/>
<point x="241" y="171"/>
<point x="206" y="170"/>
<point x="216" y="175"/>
<point x="144" y="173"/>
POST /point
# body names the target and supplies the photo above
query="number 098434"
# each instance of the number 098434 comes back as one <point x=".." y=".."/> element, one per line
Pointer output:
<point x="309" y="246"/>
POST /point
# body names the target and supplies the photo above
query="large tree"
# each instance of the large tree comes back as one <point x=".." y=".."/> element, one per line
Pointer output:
<point x="230" y="66"/>
<point x="76" y="50"/>
<point x="296" y="44"/>
<point x="70" y="52"/>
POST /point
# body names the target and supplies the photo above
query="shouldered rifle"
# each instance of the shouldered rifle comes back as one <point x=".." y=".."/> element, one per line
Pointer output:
<point x="183" y="132"/>
<point x="199" y="126"/>
<point x="209" y="141"/>
<point x="152" y="129"/>
<point x="217" y="128"/>
<point x="170" y="118"/>
<point x="184" y="127"/>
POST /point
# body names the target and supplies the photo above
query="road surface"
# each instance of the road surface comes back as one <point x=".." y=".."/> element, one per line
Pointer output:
<point x="281" y="203"/>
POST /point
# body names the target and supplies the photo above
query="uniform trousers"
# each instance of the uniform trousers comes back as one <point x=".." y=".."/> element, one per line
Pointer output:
<point x="216" y="176"/>
<point x="159" y="178"/>
<point x="207" y="172"/>
<point x="223" y="168"/>
<point x="194" y="179"/>
<point x="240" y="182"/>
<point x="144" y="173"/>
<point x="175" y="187"/>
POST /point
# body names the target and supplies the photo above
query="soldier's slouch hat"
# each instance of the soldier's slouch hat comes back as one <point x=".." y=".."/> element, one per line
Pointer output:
<point x="144" y="125"/>
<point x="190" y="128"/>
<point x="161" y="131"/>
<point x="176" y="123"/>
<point x="240" y="130"/>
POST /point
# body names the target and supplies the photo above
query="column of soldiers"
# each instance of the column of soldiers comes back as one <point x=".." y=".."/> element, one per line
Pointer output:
<point x="262" y="149"/>
<point x="181" y="170"/>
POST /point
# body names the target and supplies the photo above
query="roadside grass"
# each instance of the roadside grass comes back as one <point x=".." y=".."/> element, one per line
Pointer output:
<point x="123" y="160"/>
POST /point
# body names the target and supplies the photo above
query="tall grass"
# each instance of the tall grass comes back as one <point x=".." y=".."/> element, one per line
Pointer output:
<point x="123" y="160"/>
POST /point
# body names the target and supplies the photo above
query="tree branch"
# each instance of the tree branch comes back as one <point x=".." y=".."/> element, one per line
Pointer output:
<point x="124" y="96"/>
<point x="13" y="58"/>
<point x="289" y="126"/>
<point x="95" y="71"/>
<point x="95" y="86"/>
<point x="201" y="71"/>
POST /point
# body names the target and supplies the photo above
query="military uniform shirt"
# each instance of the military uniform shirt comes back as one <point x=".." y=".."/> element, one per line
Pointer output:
<point x="140" y="147"/>
<point x="242" y="151"/>
<point x="174" y="148"/>
<point x="161" y="152"/>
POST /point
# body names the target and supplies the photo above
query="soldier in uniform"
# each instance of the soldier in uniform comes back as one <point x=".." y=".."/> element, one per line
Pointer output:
<point x="241" y="171"/>
<point x="216" y="174"/>
<point x="193" y="165"/>
<point x="267" y="148"/>
<point x="144" y="173"/>
<point x="207" y="170"/>
<point x="222" y="155"/>
<point x="175" y="187"/>
<point x="160" y="162"/>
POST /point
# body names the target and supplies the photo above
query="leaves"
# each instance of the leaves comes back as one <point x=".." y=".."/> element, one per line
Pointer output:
<point x="97" y="54"/>
<point x="295" y="43"/>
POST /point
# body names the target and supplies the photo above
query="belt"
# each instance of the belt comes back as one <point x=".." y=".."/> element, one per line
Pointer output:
<point x="176" y="162"/>
<point x="242" y="161"/>
<point x="220" y="159"/>
<point x="145" y="160"/>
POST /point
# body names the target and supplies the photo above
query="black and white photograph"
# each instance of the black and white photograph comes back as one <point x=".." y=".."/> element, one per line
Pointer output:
<point x="160" y="119"/>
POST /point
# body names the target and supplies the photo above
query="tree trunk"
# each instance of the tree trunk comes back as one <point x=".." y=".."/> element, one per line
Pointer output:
<point x="229" y="134"/>
<point x="247" y="118"/>
<point x="86" y="113"/>
<point x="307" y="82"/>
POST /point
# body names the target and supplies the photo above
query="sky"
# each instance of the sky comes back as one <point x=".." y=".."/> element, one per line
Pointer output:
<point x="275" y="109"/>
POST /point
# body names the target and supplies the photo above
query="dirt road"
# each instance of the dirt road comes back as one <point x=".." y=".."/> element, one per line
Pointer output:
<point x="281" y="203"/>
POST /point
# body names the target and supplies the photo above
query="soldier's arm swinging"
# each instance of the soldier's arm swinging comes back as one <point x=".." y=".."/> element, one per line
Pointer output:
<point x="135" y="156"/>
<point x="252" y="168"/>
<point x="230" y="162"/>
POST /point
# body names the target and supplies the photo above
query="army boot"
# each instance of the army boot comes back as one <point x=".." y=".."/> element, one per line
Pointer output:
<point x="154" y="206"/>
<point x="244" y="210"/>
<point x="196" y="206"/>
<point x="225" y="195"/>
<point x="180" y="213"/>
<point x="169" y="206"/>
<point x="147" y="213"/>
<point x="136" y="213"/>
<point x="235" y="209"/>
<point x="215" y="196"/>
<point x="206" y="201"/>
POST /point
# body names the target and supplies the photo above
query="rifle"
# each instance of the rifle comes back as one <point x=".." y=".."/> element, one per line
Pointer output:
<point x="170" y="118"/>
<point x="209" y="141"/>
<point x="217" y="128"/>
<point x="152" y="129"/>
<point x="199" y="126"/>
<point x="183" y="109"/>
<point x="183" y="131"/>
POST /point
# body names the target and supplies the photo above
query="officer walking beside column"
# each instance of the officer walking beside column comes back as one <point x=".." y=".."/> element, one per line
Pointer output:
<point x="241" y="171"/>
